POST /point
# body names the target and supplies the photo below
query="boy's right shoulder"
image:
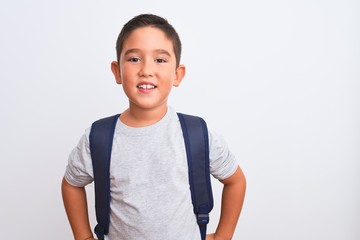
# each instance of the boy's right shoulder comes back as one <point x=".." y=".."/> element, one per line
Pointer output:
<point x="106" y="118"/>
<point x="100" y="120"/>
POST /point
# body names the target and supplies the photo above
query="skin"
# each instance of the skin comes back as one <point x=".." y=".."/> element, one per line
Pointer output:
<point x="231" y="204"/>
<point x="148" y="59"/>
<point x="75" y="203"/>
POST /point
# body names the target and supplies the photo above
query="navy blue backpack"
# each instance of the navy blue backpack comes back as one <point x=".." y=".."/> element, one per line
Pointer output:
<point x="197" y="151"/>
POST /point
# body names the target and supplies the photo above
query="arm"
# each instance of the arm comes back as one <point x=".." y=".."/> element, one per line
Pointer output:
<point x="76" y="209"/>
<point x="231" y="205"/>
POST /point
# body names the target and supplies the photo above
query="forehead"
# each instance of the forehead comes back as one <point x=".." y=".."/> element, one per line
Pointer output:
<point x="148" y="38"/>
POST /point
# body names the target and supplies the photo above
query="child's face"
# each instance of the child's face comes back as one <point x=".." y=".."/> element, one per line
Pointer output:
<point x="147" y="68"/>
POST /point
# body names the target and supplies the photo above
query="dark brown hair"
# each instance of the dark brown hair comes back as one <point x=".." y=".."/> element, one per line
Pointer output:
<point x="144" y="20"/>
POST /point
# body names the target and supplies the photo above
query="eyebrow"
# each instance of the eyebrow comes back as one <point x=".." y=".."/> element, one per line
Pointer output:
<point x="136" y="50"/>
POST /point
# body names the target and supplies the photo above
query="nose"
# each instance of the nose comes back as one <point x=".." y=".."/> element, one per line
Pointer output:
<point x="146" y="69"/>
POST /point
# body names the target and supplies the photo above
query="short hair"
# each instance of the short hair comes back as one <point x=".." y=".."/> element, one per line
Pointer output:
<point x="144" y="20"/>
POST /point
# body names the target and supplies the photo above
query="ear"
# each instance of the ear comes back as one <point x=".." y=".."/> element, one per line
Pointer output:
<point x="115" y="68"/>
<point x="180" y="74"/>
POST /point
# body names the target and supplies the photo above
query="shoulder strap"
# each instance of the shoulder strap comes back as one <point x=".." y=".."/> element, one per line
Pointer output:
<point x="100" y="142"/>
<point x="197" y="151"/>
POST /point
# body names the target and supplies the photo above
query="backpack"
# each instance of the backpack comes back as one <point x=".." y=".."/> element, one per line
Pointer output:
<point x="197" y="152"/>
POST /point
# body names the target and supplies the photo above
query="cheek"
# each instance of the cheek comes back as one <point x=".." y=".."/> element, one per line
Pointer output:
<point x="127" y="73"/>
<point x="170" y="75"/>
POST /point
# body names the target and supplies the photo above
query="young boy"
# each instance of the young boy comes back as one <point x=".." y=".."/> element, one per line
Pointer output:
<point x="150" y="195"/>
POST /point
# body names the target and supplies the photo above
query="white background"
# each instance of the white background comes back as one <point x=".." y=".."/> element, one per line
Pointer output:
<point x="280" y="80"/>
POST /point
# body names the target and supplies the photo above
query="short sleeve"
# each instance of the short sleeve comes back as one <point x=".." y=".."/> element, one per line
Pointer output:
<point x="79" y="171"/>
<point x="223" y="163"/>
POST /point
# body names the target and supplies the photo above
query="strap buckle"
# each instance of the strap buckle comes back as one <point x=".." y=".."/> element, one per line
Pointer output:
<point x="99" y="231"/>
<point x="203" y="218"/>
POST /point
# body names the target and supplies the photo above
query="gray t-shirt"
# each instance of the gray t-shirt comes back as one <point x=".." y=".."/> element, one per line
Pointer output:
<point x="150" y="194"/>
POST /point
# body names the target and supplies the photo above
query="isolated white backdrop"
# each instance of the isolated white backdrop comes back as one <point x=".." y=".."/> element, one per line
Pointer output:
<point x="279" y="79"/>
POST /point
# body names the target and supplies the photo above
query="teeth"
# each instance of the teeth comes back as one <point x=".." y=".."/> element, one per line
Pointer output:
<point x="146" y="86"/>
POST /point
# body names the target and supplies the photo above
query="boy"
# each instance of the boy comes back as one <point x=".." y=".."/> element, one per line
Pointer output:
<point x="150" y="196"/>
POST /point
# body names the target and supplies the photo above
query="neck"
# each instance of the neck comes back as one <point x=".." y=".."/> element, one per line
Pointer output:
<point x="139" y="117"/>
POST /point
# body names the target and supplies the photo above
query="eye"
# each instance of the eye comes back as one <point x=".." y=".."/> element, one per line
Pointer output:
<point x="160" y="60"/>
<point x="134" y="59"/>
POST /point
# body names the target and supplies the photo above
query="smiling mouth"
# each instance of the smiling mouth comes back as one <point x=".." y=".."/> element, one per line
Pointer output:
<point x="146" y="86"/>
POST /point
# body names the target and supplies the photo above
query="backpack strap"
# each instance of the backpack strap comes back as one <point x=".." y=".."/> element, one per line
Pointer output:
<point x="100" y="142"/>
<point x="197" y="151"/>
